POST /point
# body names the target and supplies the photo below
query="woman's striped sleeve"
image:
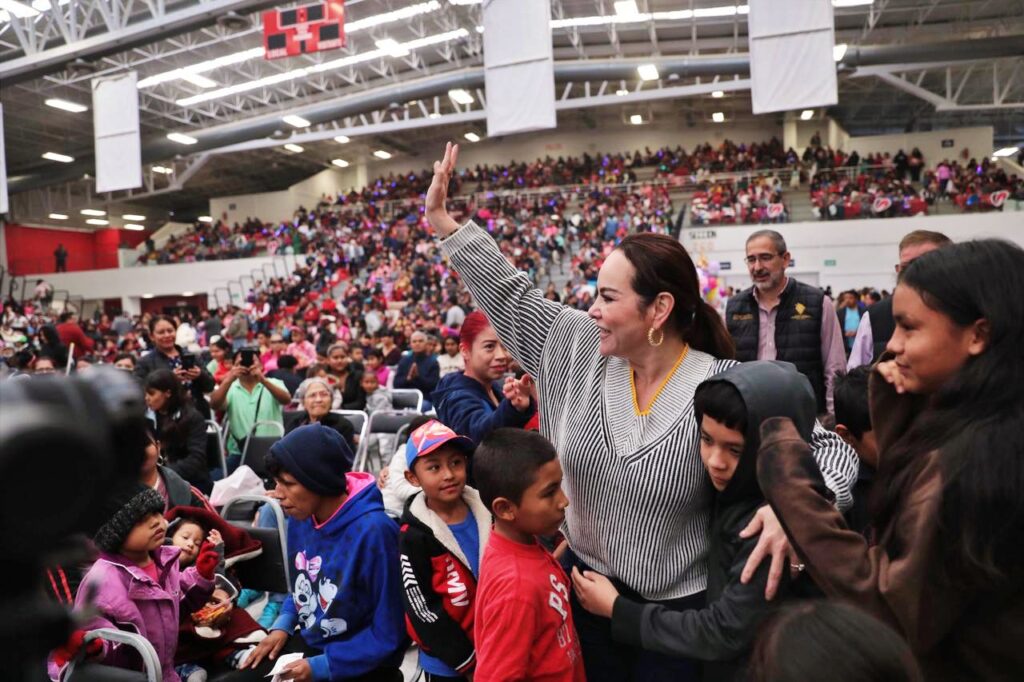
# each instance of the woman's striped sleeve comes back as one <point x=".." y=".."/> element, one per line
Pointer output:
<point x="520" y="314"/>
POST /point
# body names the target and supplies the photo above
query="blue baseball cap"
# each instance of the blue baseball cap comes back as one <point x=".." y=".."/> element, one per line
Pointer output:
<point x="430" y="437"/>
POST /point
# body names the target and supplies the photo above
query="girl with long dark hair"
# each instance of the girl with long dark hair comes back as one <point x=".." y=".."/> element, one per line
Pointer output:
<point x="180" y="428"/>
<point x="946" y="567"/>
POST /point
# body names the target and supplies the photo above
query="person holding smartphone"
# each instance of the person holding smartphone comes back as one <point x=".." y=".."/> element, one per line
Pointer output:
<point x="168" y="355"/>
<point x="247" y="396"/>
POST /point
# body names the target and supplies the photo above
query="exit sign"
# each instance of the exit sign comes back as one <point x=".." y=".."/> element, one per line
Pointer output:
<point x="830" y="262"/>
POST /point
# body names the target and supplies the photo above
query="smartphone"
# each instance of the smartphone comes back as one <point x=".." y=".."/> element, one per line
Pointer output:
<point x="248" y="357"/>
<point x="188" y="361"/>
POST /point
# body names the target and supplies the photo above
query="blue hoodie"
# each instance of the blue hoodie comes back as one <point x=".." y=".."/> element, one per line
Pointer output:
<point x="347" y="594"/>
<point x="463" y="406"/>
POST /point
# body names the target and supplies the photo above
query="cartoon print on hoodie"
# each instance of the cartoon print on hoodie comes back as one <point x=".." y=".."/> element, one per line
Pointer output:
<point x="313" y="591"/>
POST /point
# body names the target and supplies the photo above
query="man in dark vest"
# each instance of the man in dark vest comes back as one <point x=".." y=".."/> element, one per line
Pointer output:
<point x="876" y="324"/>
<point x="780" y="318"/>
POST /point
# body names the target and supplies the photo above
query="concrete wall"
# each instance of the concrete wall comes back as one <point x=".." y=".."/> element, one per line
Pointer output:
<point x="131" y="284"/>
<point x="863" y="251"/>
<point x="978" y="141"/>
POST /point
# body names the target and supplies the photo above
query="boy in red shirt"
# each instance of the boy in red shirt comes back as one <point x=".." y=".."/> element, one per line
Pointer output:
<point x="523" y="627"/>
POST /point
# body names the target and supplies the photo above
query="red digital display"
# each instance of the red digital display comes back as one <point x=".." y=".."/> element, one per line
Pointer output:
<point x="300" y="30"/>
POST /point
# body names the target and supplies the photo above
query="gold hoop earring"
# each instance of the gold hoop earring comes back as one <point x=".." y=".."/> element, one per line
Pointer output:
<point x="650" y="336"/>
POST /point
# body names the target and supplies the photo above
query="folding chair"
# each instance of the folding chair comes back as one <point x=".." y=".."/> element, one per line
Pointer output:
<point x="360" y="422"/>
<point x="387" y="422"/>
<point x="79" y="671"/>
<point x="407" y="399"/>
<point x="216" y="457"/>
<point x="257" y="447"/>
<point x="270" y="570"/>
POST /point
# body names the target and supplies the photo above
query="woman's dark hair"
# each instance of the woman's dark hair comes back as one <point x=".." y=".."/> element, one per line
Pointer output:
<point x="808" y="637"/>
<point x="223" y="344"/>
<point x="161" y="318"/>
<point x="850" y="398"/>
<point x="975" y="421"/>
<point x="663" y="265"/>
<point x="721" y="401"/>
<point x="172" y="428"/>
<point x="125" y="356"/>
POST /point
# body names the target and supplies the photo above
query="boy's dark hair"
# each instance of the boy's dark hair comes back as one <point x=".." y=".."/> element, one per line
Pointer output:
<point x="850" y="394"/>
<point x="506" y="461"/>
<point x="721" y="401"/>
<point x="807" y="637"/>
<point x="288" y="362"/>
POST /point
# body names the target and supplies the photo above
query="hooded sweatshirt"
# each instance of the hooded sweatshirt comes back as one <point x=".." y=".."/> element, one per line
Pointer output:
<point x="463" y="405"/>
<point x="723" y="632"/>
<point x="346" y="594"/>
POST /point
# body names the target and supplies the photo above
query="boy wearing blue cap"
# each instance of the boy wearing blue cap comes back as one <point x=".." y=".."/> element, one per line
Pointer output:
<point x="345" y="598"/>
<point x="445" y="529"/>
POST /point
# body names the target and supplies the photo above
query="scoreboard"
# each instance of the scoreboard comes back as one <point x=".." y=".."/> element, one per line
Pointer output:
<point x="300" y="30"/>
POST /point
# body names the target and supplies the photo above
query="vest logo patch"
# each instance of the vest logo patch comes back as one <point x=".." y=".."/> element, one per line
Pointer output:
<point x="800" y="308"/>
<point x="742" y="316"/>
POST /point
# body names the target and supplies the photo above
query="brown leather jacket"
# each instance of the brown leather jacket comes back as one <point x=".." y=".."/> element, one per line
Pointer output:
<point x="956" y="634"/>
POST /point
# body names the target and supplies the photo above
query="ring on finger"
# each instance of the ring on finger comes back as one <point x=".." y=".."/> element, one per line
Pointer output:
<point x="798" y="567"/>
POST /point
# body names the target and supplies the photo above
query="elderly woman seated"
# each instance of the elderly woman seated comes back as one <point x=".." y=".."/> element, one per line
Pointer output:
<point x="315" y="395"/>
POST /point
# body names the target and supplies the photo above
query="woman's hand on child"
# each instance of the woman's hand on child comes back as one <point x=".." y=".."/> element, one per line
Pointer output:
<point x="772" y="542"/>
<point x="299" y="671"/>
<point x="594" y="592"/>
<point x="215" y="538"/>
<point x="206" y="562"/>
<point x="270" y="647"/>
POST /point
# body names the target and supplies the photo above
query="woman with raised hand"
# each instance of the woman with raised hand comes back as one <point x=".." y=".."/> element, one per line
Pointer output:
<point x="616" y="386"/>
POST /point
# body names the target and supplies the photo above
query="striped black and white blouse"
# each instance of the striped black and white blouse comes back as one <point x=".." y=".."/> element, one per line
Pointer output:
<point x="639" y="502"/>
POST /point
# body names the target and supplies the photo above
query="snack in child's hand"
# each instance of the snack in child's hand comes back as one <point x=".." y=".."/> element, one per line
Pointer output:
<point x="216" y="611"/>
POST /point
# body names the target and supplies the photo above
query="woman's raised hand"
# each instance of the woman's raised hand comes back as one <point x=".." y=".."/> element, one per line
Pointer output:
<point x="436" y="212"/>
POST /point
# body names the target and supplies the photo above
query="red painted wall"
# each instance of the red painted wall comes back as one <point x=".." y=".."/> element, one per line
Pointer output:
<point x="30" y="249"/>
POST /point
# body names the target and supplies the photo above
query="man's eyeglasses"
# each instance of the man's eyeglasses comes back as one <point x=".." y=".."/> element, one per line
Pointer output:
<point x="764" y="258"/>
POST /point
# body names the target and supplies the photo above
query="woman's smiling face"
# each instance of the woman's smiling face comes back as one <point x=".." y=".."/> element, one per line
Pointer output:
<point x="617" y="308"/>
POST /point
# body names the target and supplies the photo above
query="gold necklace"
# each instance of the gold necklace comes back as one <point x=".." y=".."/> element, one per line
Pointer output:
<point x="632" y="384"/>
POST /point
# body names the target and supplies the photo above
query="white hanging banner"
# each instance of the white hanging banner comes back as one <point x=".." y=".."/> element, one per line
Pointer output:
<point x="115" y="106"/>
<point x="3" y="165"/>
<point x="791" y="64"/>
<point x="519" y="67"/>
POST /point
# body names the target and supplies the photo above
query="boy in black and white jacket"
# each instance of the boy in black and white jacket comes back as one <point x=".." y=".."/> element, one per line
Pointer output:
<point x="445" y="529"/>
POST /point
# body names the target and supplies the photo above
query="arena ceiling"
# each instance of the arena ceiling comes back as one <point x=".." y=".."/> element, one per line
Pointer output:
<point x="201" y="72"/>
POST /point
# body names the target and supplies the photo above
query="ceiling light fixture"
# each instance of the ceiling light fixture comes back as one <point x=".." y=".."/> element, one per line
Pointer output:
<point x="636" y="119"/>
<point x="295" y="121"/>
<point x="58" y="216"/>
<point x="199" y="81"/>
<point x="718" y="117"/>
<point x="807" y="114"/>
<point x="381" y="154"/>
<point x="340" y="163"/>
<point x="434" y="114"/>
<point x="838" y="52"/>
<point x="622" y="92"/>
<point x="134" y="227"/>
<point x="852" y="3"/>
<point x="669" y="15"/>
<point x="205" y="219"/>
<point x="133" y="216"/>
<point x="718" y="94"/>
<point x="1005" y="151"/>
<point x="472" y="137"/>
<point x="392" y="47"/>
<point x="188" y="293"/>
<point x="97" y="221"/>
<point x="302" y="72"/>
<point x="342" y="139"/>
<point x="163" y="170"/>
<point x="65" y="105"/>
<point x="19" y="9"/>
<point x="54" y="156"/>
<point x="294" y="148"/>
<point x="93" y="211"/>
<point x="181" y="138"/>
<point x="460" y="96"/>
<point x="147" y="296"/>
<point x="626" y="8"/>
<point x="648" y="72"/>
